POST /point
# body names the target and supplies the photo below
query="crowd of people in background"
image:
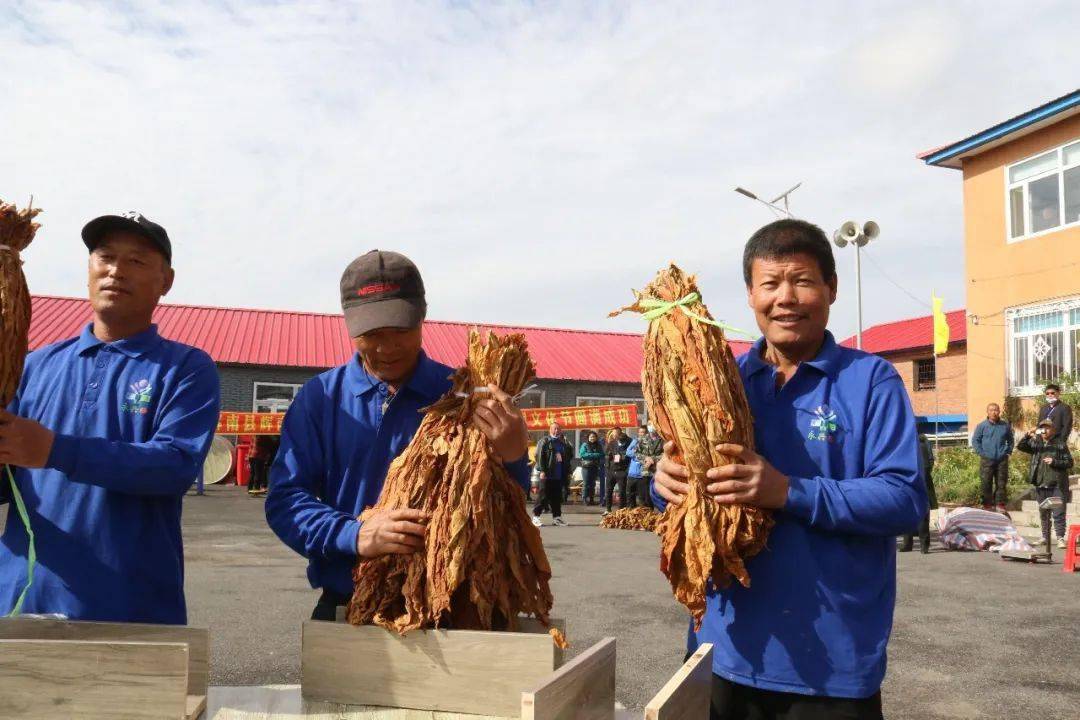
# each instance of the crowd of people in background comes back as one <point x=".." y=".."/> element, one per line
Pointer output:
<point x="616" y="467"/>
<point x="1048" y="468"/>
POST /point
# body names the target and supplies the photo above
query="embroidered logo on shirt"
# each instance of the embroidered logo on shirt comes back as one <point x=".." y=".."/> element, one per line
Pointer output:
<point x="138" y="400"/>
<point x="823" y="427"/>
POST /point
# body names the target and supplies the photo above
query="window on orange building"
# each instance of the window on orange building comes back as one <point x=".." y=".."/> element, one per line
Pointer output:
<point x="1044" y="192"/>
<point x="925" y="374"/>
<point x="1043" y="344"/>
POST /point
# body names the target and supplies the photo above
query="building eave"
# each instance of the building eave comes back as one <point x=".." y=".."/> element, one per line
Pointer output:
<point x="953" y="155"/>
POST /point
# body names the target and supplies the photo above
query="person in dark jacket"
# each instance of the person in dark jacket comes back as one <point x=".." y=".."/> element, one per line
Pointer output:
<point x="648" y="452"/>
<point x="262" y="457"/>
<point x="618" y="463"/>
<point x="553" y="454"/>
<point x="926" y="469"/>
<point x="591" y="454"/>
<point x="1057" y="412"/>
<point x="993" y="443"/>
<point x="1049" y="473"/>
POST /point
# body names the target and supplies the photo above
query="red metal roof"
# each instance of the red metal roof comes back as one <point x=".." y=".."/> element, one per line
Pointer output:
<point x="316" y="340"/>
<point x="910" y="334"/>
<point x="277" y="338"/>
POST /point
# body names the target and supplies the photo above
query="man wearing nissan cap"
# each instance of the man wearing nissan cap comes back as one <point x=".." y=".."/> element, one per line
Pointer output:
<point x="105" y="435"/>
<point x="346" y="426"/>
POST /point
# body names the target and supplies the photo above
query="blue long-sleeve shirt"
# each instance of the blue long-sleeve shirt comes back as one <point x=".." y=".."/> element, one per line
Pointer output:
<point x="817" y="617"/>
<point x="992" y="441"/>
<point x="133" y="421"/>
<point x="337" y="441"/>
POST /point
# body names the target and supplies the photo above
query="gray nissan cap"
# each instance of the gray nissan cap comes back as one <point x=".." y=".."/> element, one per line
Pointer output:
<point x="382" y="289"/>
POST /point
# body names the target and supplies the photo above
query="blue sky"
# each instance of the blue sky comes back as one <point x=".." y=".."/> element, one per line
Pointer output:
<point x="537" y="160"/>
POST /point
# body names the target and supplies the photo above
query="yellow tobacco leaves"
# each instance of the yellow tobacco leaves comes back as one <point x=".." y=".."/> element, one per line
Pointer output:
<point x="17" y="229"/>
<point x="639" y="518"/>
<point x="695" y="398"/>
<point x="483" y="562"/>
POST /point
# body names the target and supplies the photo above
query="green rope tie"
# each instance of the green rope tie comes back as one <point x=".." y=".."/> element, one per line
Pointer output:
<point x="31" y="550"/>
<point x="659" y="308"/>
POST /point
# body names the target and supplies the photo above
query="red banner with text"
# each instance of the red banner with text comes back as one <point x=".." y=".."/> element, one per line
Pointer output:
<point x="593" y="417"/>
<point x="569" y="418"/>
<point x="249" y="423"/>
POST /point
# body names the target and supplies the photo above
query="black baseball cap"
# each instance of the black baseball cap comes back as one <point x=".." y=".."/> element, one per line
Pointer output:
<point x="131" y="221"/>
<point x="382" y="289"/>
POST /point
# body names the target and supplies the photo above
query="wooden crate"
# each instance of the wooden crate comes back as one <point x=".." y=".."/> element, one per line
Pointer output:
<point x="502" y="674"/>
<point x="86" y="670"/>
<point x="687" y="694"/>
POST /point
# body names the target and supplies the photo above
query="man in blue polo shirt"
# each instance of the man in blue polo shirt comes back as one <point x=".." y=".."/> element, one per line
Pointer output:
<point x="346" y="426"/>
<point x="837" y="459"/>
<point x="106" y="433"/>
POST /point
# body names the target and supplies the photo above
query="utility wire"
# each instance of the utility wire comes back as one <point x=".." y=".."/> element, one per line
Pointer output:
<point x="898" y="285"/>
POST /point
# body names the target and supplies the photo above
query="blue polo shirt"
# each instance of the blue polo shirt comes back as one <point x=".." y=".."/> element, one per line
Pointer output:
<point x="817" y="617"/>
<point x="133" y="421"/>
<point x="337" y="441"/>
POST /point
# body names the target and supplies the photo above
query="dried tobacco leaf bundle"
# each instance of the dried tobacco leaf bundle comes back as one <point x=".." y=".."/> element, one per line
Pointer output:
<point x="484" y="562"/>
<point x="639" y="518"/>
<point x="696" y="398"/>
<point x="17" y="229"/>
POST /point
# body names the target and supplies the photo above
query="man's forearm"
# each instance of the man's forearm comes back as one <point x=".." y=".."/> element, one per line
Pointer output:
<point x="153" y="468"/>
<point x="883" y="505"/>
<point x="308" y="525"/>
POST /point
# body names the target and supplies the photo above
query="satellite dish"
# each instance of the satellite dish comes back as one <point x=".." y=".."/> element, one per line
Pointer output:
<point x="218" y="461"/>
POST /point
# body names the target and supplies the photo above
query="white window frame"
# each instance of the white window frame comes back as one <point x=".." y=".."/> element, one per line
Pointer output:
<point x="255" y="391"/>
<point x="1065" y="307"/>
<point x="1060" y="171"/>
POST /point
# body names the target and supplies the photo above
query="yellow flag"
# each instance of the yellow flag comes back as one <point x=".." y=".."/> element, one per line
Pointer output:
<point x="941" y="327"/>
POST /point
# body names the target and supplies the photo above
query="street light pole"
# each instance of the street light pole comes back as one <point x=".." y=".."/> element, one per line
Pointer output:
<point x="858" y="294"/>
<point x="850" y="233"/>
<point x="771" y="204"/>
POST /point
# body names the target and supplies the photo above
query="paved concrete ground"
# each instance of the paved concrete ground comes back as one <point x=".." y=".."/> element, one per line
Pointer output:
<point x="975" y="636"/>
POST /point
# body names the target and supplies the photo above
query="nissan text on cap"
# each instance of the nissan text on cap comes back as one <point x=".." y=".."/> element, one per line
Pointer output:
<point x="382" y="289"/>
<point x="131" y="221"/>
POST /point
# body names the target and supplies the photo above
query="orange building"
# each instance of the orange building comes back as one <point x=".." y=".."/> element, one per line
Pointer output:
<point x="1021" y="184"/>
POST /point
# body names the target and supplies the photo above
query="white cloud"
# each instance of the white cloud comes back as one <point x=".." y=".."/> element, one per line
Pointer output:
<point x="536" y="160"/>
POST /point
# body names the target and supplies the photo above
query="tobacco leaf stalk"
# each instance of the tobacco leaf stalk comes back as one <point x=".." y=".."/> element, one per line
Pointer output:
<point x="696" y="399"/>
<point x="17" y="230"/>
<point x="483" y="563"/>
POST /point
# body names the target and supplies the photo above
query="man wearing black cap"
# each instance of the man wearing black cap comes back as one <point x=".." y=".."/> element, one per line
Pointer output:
<point x="346" y="426"/>
<point x="105" y="435"/>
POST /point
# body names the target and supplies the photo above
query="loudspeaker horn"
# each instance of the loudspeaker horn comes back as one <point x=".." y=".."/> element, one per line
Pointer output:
<point x="847" y="233"/>
<point x="870" y="230"/>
